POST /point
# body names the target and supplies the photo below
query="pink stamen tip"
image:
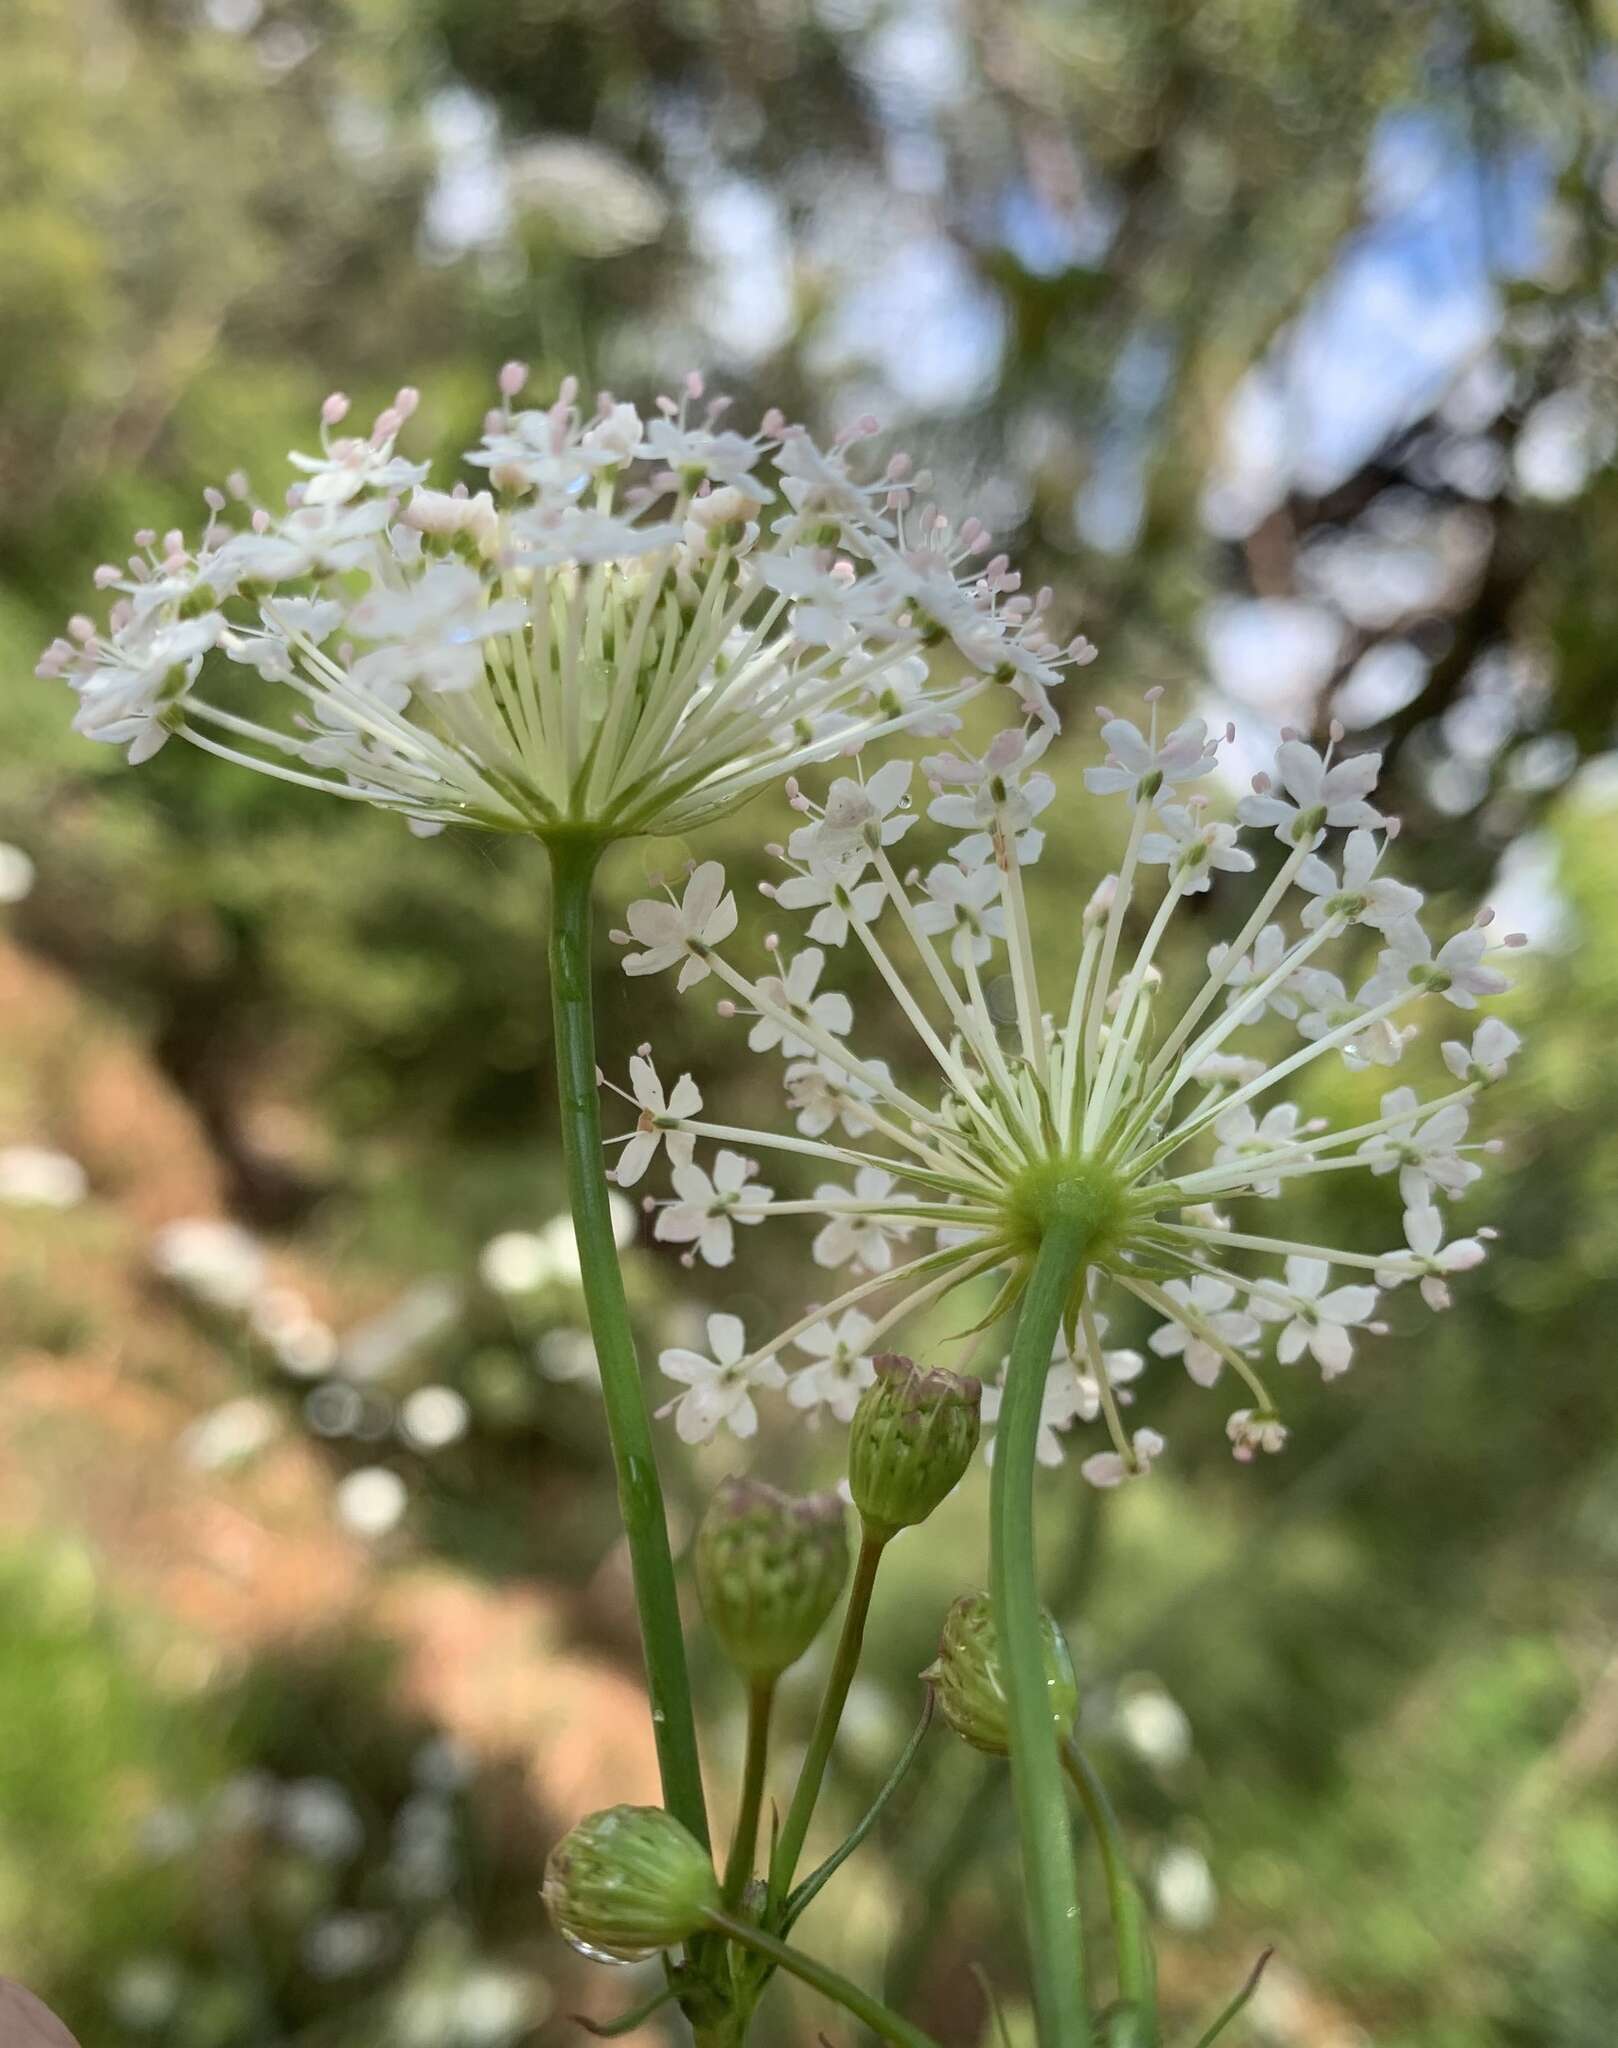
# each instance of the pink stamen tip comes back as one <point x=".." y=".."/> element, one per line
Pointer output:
<point x="513" y="376"/>
<point x="1154" y="693"/>
<point x="334" y="408"/>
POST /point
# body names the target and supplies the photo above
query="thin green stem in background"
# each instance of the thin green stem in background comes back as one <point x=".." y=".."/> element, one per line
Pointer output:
<point x="784" y="1863"/>
<point x="806" y="1893"/>
<point x="1051" y="1895"/>
<point x="629" y="1424"/>
<point x="887" y="2026"/>
<point x="1236" y="2004"/>
<point x="1137" y="1969"/>
<point x="739" y="1863"/>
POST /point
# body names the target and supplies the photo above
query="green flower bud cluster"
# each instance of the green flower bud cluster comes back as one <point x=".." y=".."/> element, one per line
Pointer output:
<point x="969" y="1685"/>
<point x="769" y="1569"/>
<point x="627" y="1882"/>
<point x="913" y="1436"/>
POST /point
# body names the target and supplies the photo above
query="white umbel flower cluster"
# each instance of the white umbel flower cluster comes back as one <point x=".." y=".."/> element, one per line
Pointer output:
<point x="1163" y="1128"/>
<point x="630" y="626"/>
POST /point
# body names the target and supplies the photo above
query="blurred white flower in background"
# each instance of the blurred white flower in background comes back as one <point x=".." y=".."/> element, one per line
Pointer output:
<point x="230" y="1434"/>
<point x="316" y="1816"/>
<point x="569" y="1357"/>
<point x="16" y="873"/>
<point x="218" y="1264"/>
<point x="35" y="1177"/>
<point x="434" y="1417"/>
<point x="371" y="1501"/>
<point x="1155" y="1726"/>
<point x="1186" y="1895"/>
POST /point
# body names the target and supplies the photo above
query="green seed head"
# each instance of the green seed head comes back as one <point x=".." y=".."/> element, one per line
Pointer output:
<point x="769" y="1569"/>
<point x="913" y="1436"/>
<point x="627" y="1882"/>
<point x="969" y="1685"/>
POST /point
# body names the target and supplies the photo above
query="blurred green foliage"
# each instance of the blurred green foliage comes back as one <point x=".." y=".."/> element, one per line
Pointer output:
<point x="1068" y="251"/>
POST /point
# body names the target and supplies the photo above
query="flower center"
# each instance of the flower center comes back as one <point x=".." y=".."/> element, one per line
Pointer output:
<point x="1084" y="1191"/>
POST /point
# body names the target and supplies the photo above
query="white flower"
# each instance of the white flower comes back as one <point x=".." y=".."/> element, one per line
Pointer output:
<point x="1211" y="1329"/>
<point x="1313" y="1320"/>
<point x="699" y="452"/>
<point x="1429" y="1258"/>
<point x="347" y="467"/>
<point x="842" y="1368"/>
<point x="707" y="1209"/>
<point x="823" y="1095"/>
<point x="857" y="819"/>
<point x="652" y="1129"/>
<point x="794" y="992"/>
<point x="824" y="887"/>
<point x="1375" y="1041"/>
<point x="1250" y="1431"/>
<point x="1363" y="896"/>
<point x="965" y="902"/>
<point x="1316" y="796"/>
<point x="1137" y="768"/>
<point x="445" y="515"/>
<point x="1271" y="1138"/>
<point x="1250" y="970"/>
<point x="1425" y="1150"/>
<point x="719" y="1388"/>
<point x="831" y="606"/>
<point x="431" y="632"/>
<point x="1154" y="1116"/>
<point x="685" y="931"/>
<point x="1002" y="792"/>
<point x="34" y="1177"/>
<point x="866" y="1239"/>
<point x="1493" y="1044"/>
<point x="614" y="644"/>
<point x="1193" y="850"/>
<point x="1456" y="972"/>
<point x="1111" y="1468"/>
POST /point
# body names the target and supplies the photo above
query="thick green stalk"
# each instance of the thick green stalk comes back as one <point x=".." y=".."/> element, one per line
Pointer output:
<point x="784" y="1863"/>
<point x="1050" y="1884"/>
<point x="739" y="1863"/>
<point x="887" y="2026"/>
<point x="629" y="1424"/>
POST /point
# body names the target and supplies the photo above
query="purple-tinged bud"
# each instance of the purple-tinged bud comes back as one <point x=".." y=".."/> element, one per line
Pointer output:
<point x="769" y="1569"/>
<point x="627" y="1882"/>
<point x="913" y="1436"/>
<point x="970" y="1688"/>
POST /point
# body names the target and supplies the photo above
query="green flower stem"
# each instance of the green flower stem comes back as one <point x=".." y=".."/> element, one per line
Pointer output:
<point x="887" y="2026"/>
<point x="1137" y="1970"/>
<point x="955" y="1852"/>
<point x="784" y="1863"/>
<point x="1049" y="1881"/>
<point x="629" y="1424"/>
<point x="739" y="1863"/>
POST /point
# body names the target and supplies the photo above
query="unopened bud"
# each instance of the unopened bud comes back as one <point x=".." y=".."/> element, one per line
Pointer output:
<point x="627" y="1882"/>
<point x="970" y="1686"/>
<point x="913" y="1436"/>
<point x="769" y="1570"/>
